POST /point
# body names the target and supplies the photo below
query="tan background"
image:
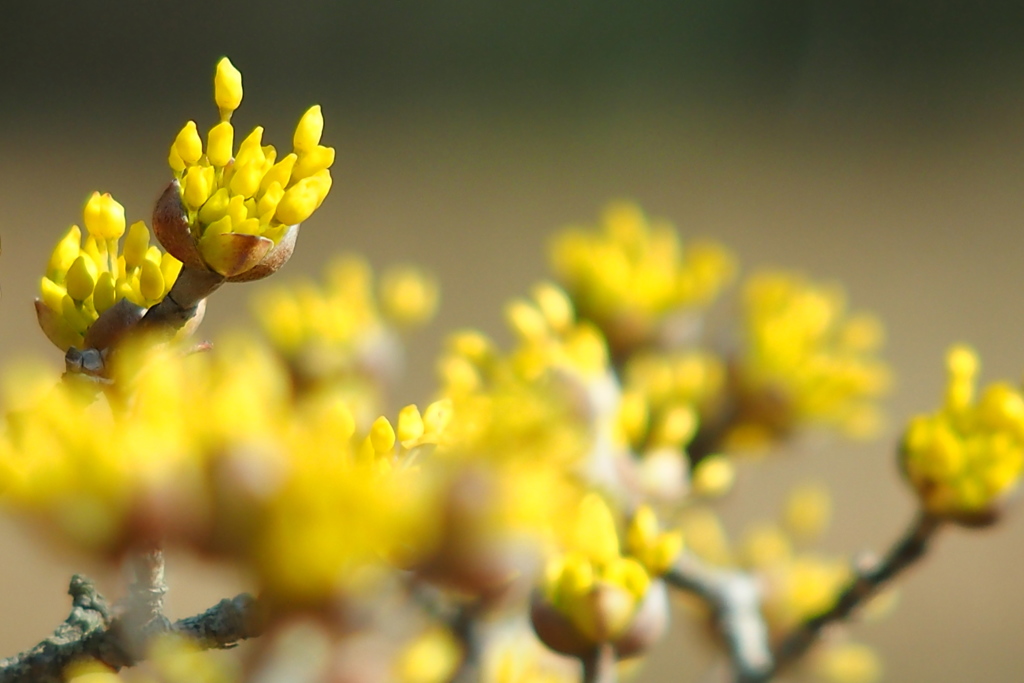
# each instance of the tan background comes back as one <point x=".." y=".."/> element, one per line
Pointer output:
<point x="879" y="144"/>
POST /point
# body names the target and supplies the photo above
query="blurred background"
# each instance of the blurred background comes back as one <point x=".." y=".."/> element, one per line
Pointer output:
<point x="877" y="142"/>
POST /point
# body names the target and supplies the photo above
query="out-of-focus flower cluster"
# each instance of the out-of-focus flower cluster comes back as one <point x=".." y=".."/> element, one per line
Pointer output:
<point x="344" y="335"/>
<point x="214" y="451"/>
<point x="964" y="459"/>
<point x="806" y="359"/>
<point x="532" y="508"/>
<point x="632" y="275"/>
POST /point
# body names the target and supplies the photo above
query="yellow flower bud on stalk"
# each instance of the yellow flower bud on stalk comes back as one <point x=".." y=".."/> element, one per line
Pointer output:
<point x="227" y="88"/>
<point x="220" y="143"/>
<point x="81" y="278"/>
<point x="104" y="217"/>
<point x="187" y="145"/>
<point x="308" y="132"/>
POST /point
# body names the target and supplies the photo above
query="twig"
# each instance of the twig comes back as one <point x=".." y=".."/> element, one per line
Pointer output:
<point x="466" y="627"/>
<point x="865" y="583"/>
<point x="91" y="632"/>
<point x="599" y="665"/>
<point x="735" y="597"/>
<point x="79" y="635"/>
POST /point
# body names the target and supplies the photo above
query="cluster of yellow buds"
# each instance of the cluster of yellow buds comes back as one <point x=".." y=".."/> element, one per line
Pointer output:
<point x="806" y="360"/>
<point x="666" y="397"/>
<point x="654" y="548"/>
<point x="522" y="428"/>
<point x="633" y="272"/>
<point x="341" y="335"/>
<point x="965" y="459"/>
<point x="237" y="212"/>
<point x="88" y="277"/>
<point x="594" y="594"/>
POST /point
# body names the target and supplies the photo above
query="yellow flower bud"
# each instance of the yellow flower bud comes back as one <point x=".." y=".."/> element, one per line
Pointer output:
<point x="298" y="203"/>
<point x="246" y="179"/>
<point x="175" y="161"/>
<point x="410" y="425"/>
<point x="312" y="162"/>
<point x="643" y="530"/>
<point x="219" y="227"/>
<point x="52" y="294"/>
<point x="237" y="210"/>
<point x="104" y="217"/>
<point x="64" y="254"/>
<point x="309" y="130"/>
<point x="216" y="207"/>
<point x="281" y="172"/>
<point x="267" y="205"/>
<point x="105" y="293"/>
<point x="321" y="182"/>
<point x="188" y="145"/>
<point x="382" y="436"/>
<point x="220" y="144"/>
<point x="151" y="281"/>
<point x="195" y="187"/>
<point x="714" y="476"/>
<point x="594" y="534"/>
<point x="73" y="315"/>
<point x="408" y="296"/>
<point x="250" y="149"/>
<point x="81" y="278"/>
<point x="170" y="267"/>
<point x="628" y="573"/>
<point x="136" y="244"/>
<point x="526" y="319"/>
<point x="227" y="88"/>
<point x="555" y="305"/>
<point x="437" y="416"/>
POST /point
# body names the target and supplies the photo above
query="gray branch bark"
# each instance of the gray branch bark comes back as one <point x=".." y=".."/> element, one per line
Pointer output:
<point x="92" y="631"/>
<point x="735" y="597"/>
<point x="865" y="583"/>
<point x="736" y="600"/>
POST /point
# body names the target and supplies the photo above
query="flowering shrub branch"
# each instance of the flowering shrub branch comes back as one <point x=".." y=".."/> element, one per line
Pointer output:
<point x="865" y="584"/>
<point x="736" y="600"/>
<point x="527" y="523"/>
<point x="91" y="631"/>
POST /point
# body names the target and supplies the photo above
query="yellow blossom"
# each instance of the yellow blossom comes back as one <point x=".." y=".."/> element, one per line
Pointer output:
<point x="631" y="272"/>
<point x="966" y="458"/>
<point x="807" y="360"/>
<point x="226" y="193"/>
<point x="86" y="277"/>
<point x="227" y="88"/>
